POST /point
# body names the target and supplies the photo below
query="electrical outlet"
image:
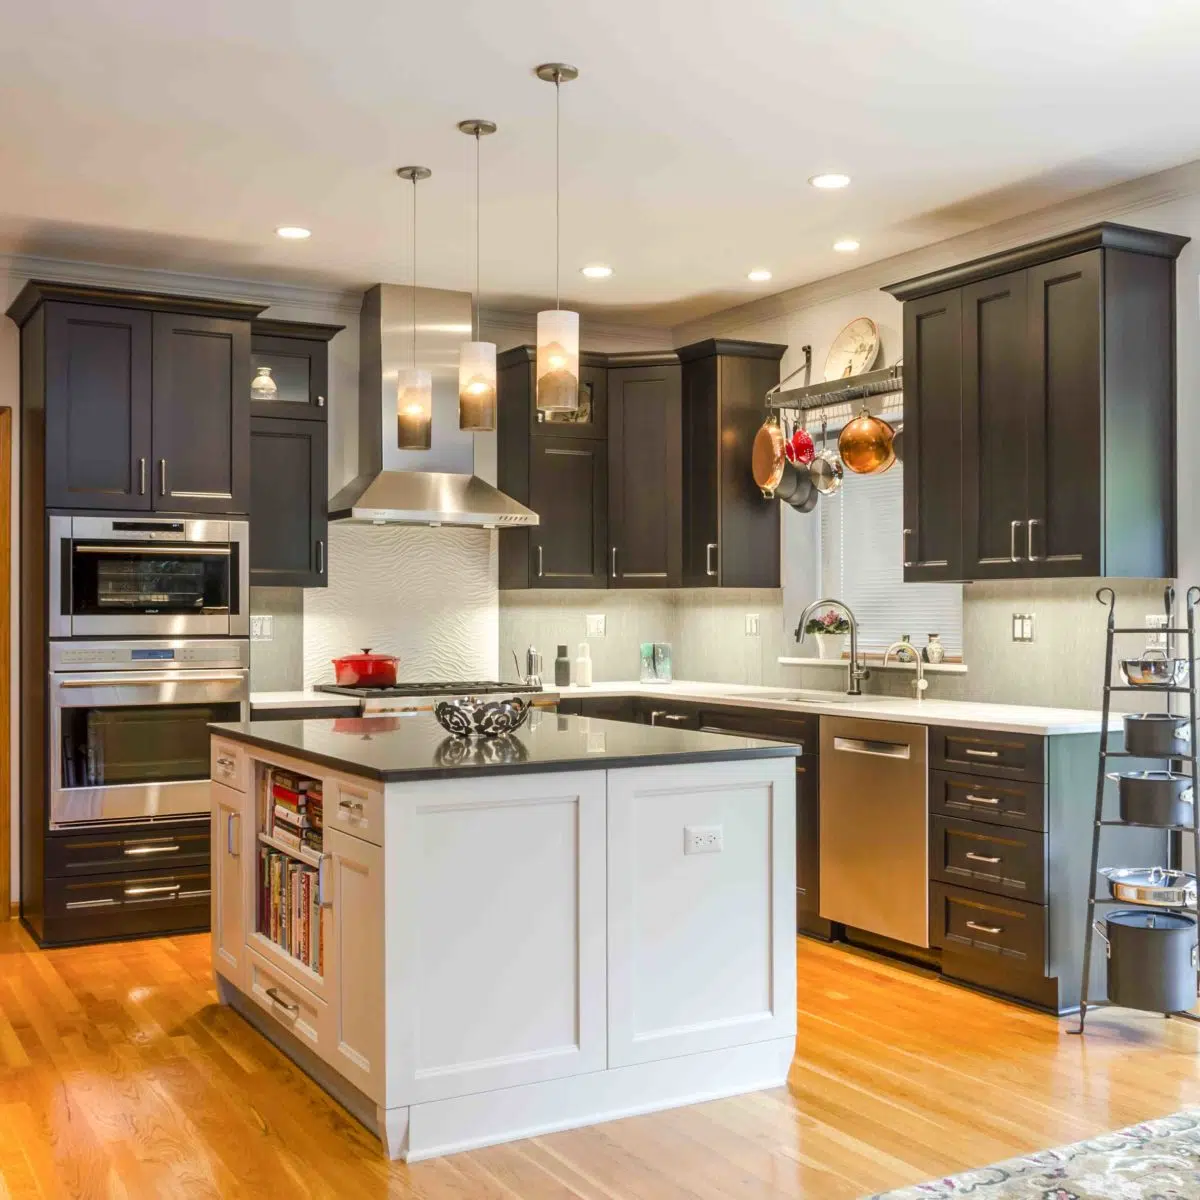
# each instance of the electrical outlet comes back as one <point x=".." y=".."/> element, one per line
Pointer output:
<point x="595" y="625"/>
<point x="1156" y="641"/>
<point x="703" y="839"/>
<point x="1022" y="627"/>
<point x="752" y="624"/>
<point x="262" y="628"/>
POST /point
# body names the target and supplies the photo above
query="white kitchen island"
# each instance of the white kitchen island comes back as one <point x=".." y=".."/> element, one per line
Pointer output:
<point x="585" y="921"/>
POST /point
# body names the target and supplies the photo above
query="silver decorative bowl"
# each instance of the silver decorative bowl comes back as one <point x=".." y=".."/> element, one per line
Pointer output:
<point x="470" y="716"/>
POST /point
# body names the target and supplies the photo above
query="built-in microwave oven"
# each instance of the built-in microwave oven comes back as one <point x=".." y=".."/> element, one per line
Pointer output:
<point x="148" y="577"/>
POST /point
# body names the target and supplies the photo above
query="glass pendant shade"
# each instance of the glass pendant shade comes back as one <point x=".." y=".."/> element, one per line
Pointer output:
<point x="414" y="409"/>
<point x="477" y="387"/>
<point x="557" y="360"/>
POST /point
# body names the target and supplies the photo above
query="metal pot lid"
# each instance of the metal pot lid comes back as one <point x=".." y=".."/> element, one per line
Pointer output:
<point x="1151" y="776"/>
<point x="1139" y="918"/>
<point x="1158" y="718"/>
<point x="1157" y="877"/>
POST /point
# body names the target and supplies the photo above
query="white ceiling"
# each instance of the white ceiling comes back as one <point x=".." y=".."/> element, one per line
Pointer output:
<point x="178" y="135"/>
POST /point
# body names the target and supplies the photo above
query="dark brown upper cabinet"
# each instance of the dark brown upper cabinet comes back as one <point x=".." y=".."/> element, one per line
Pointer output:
<point x="645" y="471"/>
<point x="730" y="531"/>
<point x="1064" y="369"/>
<point x="298" y="358"/>
<point x="289" y="494"/>
<point x="144" y="399"/>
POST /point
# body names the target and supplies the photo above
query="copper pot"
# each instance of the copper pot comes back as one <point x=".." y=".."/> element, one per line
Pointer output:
<point x="865" y="444"/>
<point x="767" y="458"/>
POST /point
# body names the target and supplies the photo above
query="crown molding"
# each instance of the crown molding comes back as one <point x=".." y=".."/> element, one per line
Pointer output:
<point x="23" y="267"/>
<point x="1149" y="191"/>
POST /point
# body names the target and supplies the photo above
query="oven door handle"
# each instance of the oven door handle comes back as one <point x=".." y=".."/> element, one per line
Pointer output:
<point x="158" y="549"/>
<point x="158" y="681"/>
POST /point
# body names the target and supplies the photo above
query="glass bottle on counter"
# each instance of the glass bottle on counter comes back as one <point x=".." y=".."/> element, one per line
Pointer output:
<point x="562" y="668"/>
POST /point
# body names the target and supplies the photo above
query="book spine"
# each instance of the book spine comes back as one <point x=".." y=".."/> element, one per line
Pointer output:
<point x="287" y="837"/>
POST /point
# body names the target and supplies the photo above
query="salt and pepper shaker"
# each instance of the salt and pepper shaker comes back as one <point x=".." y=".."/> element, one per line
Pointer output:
<point x="562" y="668"/>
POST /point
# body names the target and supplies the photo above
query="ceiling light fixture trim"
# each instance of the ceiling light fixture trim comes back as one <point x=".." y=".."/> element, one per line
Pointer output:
<point x="759" y="275"/>
<point x="830" y="180"/>
<point x="293" y="233"/>
<point x="596" y="271"/>
<point x="845" y="245"/>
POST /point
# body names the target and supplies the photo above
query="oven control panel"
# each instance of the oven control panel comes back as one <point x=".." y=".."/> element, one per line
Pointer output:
<point x="150" y="655"/>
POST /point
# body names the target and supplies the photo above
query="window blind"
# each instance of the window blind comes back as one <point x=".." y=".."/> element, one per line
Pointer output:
<point x="862" y="563"/>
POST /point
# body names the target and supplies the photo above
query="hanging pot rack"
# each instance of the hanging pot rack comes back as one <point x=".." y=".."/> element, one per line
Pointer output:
<point x="821" y="397"/>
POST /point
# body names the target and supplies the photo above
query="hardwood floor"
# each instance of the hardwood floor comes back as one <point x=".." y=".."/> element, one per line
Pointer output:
<point x="121" y="1076"/>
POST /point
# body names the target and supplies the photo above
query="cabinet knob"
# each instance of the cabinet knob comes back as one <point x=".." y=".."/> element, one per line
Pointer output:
<point x="320" y="401"/>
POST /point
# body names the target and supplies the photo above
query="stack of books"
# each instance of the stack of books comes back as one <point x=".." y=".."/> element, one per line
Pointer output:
<point x="289" y="907"/>
<point x="295" y="816"/>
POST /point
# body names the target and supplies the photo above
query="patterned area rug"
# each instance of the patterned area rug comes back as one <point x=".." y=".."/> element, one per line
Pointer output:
<point x="1158" y="1160"/>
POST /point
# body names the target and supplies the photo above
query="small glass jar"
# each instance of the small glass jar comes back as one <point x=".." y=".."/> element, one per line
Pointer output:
<point x="935" y="652"/>
<point x="262" y="386"/>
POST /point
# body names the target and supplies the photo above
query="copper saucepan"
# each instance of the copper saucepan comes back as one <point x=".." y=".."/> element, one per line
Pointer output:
<point x="866" y="444"/>
<point x="775" y="475"/>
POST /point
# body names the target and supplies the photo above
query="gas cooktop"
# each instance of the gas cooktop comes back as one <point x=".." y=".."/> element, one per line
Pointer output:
<point x="475" y="687"/>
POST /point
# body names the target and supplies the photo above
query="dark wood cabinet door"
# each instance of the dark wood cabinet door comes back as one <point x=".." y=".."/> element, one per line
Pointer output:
<point x="98" y="389"/>
<point x="201" y="421"/>
<point x="995" y="349"/>
<point x="702" y="473"/>
<point x="288" y="499"/>
<point x="1064" y="517"/>
<point x="568" y="489"/>
<point x="932" y="538"/>
<point x="300" y="371"/>
<point x="645" y="477"/>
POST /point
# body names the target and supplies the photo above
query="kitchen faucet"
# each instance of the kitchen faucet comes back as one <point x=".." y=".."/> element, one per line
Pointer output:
<point x="858" y="671"/>
<point x="920" y="683"/>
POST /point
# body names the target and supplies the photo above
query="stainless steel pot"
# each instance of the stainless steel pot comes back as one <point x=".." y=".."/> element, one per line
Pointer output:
<point x="1151" y="959"/>
<point x="1158" y="735"/>
<point x="1154" y="797"/>
<point x="1159" y="886"/>
<point x="1151" y="671"/>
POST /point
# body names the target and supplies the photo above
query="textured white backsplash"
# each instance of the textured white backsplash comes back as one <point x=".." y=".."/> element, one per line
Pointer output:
<point x="426" y="595"/>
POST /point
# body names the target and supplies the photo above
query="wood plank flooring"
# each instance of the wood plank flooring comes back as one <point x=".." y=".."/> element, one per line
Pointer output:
<point x="120" y="1076"/>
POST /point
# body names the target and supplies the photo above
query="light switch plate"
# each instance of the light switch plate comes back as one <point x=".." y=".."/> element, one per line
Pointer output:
<point x="262" y="628"/>
<point x="1156" y="641"/>
<point x="703" y="839"/>
<point x="752" y="624"/>
<point x="595" y="625"/>
<point x="1022" y="627"/>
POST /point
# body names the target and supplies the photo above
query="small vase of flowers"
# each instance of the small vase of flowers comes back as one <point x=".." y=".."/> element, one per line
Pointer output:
<point x="829" y="629"/>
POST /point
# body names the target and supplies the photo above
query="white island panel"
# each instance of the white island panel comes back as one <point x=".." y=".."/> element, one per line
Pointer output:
<point x="503" y="981"/>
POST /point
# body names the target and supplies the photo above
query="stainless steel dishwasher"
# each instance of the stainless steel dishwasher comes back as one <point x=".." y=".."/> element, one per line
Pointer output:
<point x="875" y="827"/>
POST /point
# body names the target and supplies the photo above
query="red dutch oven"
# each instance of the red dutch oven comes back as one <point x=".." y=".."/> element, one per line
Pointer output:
<point x="365" y="670"/>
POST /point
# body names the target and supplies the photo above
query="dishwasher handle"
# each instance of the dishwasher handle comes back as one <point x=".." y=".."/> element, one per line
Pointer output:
<point x="877" y="749"/>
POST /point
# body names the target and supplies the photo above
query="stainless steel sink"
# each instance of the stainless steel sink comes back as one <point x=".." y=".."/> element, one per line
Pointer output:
<point x="818" y="696"/>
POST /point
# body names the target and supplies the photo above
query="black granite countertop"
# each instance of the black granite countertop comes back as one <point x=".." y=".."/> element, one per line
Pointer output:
<point x="414" y="746"/>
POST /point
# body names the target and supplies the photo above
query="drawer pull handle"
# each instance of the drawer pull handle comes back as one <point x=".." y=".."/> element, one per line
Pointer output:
<point x="353" y="806"/>
<point x="90" y="903"/>
<point x="322" y="899"/>
<point x="982" y="857"/>
<point x="231" y="842"/>
<point x="131" y="851"/>
<point x="982" y="799"/>
<point x="227" y="765"/>
<point x="275" y="998"/>
<point x="982" y="753"/>
<point x="147" y="889"/>
<point x="879" y="749"/>
<point x="985" y="928"/>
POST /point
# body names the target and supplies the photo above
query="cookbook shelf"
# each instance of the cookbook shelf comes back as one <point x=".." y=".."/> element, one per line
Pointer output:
<point x="1160" y="971"/>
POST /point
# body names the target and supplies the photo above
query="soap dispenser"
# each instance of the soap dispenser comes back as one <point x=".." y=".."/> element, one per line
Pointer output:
<point x="583" y="666"/>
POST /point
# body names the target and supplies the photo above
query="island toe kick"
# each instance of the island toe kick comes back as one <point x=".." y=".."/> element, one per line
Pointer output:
<point x="465" y="961"/>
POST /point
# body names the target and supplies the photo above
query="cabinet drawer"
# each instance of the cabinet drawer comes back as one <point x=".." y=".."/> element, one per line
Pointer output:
<point x="355" y="809"/>
<point x="230" y="765"/>
<point x="995" y="801"/>
<point x="107" y="850"/>
<point x="292" y="1006"/>
<point x="604" y="708"/>
<point x="140" y="891"/>
<point x="989" y="928"/>
<point x="1007" y="862"/>
<point x="757" y="722"/>
<point x="986" y="752"/>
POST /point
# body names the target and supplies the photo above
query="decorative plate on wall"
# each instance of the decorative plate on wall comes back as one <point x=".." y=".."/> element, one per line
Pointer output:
<point x="854" y="350"/>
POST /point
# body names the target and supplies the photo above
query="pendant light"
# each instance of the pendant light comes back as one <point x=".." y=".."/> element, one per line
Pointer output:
<point x="557" y="329"/>
<point x="476" y="359"/>
<point x="414" y="387"/>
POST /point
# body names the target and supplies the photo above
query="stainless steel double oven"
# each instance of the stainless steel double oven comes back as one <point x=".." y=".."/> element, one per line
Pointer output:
<point x="149" y="625"/>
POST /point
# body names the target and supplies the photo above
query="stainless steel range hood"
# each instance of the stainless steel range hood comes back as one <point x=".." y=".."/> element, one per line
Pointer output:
<point x="417" y="487"/>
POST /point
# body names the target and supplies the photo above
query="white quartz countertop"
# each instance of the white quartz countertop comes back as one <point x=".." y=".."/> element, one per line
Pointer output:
<point x="1013" y="718"/>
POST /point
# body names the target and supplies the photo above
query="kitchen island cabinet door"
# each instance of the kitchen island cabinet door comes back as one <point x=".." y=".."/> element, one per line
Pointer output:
<point x="933" y="399"/>
<point x="568" y="489"/>
<point x="97" y="405"/>
<point x="355" y="930"/>
<point x="995" y="317"/>
<point x="645" y="476"/>
<point x="288" y="502"/>
<point x="201" y="414"/>
<point x="231" y="890"/>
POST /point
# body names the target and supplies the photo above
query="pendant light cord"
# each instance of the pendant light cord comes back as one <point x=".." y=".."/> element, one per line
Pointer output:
<point x="414" y="274"/>
<point x="475" y="323"/>
<point x="557" y="193"/>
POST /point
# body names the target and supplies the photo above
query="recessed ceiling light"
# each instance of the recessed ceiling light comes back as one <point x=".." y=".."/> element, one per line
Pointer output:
<point x="845" y="246"/>
<point x="596" y="271"/>
<point x="830" y="180"/>
<point x="759" y="275"/>
<point x="294" y="233"/>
